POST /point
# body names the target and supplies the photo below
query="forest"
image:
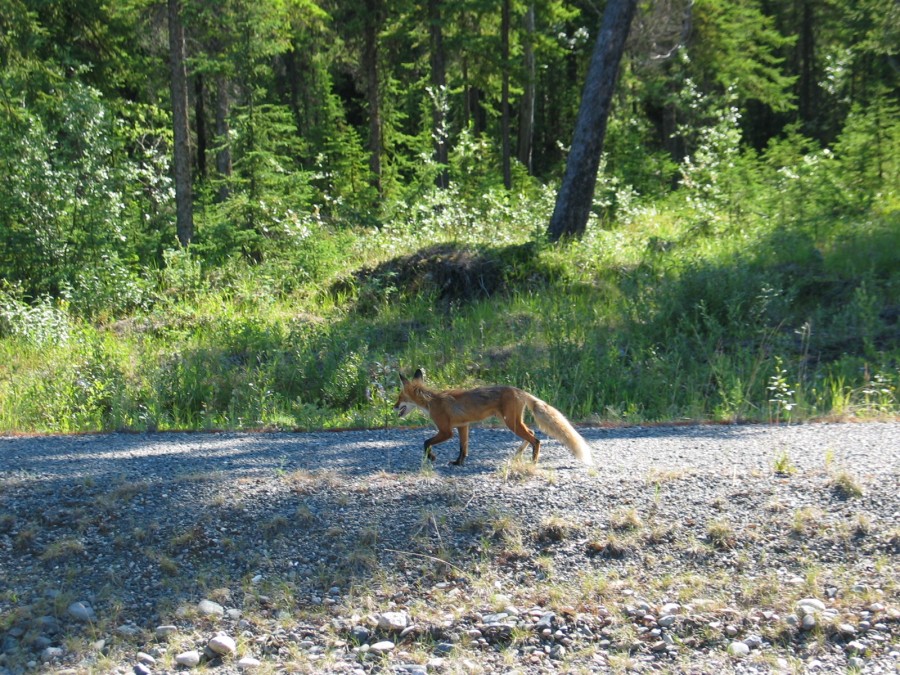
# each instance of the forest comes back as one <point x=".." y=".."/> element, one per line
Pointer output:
<point x="254" y="215"/>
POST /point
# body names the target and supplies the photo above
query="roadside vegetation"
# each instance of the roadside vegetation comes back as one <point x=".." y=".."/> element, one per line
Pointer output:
<point x="766" y="289"/>
<point x="323" y="219"/>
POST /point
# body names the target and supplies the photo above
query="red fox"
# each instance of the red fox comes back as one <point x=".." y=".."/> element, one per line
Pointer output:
<point x="458" y="407"/>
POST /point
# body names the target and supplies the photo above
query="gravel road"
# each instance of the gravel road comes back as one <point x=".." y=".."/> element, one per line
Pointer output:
<point x="706" y="549"/>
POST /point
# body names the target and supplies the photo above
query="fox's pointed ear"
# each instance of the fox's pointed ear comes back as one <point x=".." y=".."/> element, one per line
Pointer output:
<point x="403" y="380"/>
<point x="419" y="374"/>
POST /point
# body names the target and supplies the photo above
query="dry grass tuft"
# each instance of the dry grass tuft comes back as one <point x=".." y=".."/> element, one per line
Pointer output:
<point x="63" y="549"/>
<point x="721" y="534"/>
<point x="845" y="485"/>
<point x="625" y="519"/>
<point x="612" y="546"/>
<point x="556" y="528"/>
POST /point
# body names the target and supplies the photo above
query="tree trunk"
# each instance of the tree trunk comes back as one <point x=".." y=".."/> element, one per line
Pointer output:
<point x="526" y="109"/>
<point x="200" y="125"/>
<point x="807" y="98"/>
<point x="439" y="84"/>
<point x="370" y="64"/>
<point x="504" y="103"/>
<point x="223" y="142"/>
<point x="576" y="194"/>
<point x="182" y="153"/>
<point x="292" y="73"/>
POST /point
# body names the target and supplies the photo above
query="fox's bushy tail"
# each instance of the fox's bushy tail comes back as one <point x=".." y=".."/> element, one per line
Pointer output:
<point x="553" y="423"/>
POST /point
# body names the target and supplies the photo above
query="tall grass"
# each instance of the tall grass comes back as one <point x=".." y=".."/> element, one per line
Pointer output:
<point x="775" y="298"/>
<point x="630" y="329"/>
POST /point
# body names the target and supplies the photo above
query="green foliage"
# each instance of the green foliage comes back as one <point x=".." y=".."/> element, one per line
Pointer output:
<point x="716" y="280"/>
<point x="736" y="44"/>
<point x="63" y="206"/>
<point x="37" y="324"/>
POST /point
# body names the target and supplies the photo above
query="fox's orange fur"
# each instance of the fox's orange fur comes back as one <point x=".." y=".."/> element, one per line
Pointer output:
<point x="457" y="408"/>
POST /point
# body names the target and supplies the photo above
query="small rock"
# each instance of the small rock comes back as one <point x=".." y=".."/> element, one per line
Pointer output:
<point x="545" y="622"/>
<point x="808" y="622"/>
<point x="359" y="634"/>
<point x="667" y="621"/>
<point x="145" y="658"/>
<point x="81" y="611"/>
<point x="856" y="646"/>
<point x="165" y="631"/>
<point x="382" y="647"/>
<point x="494" y="618"/>
<point x="393" y="621"/>
<point x="210" y="608"/>
<point x="248" y="663"/>
<point x="411" y="669"/>
<point x="141" y="669"/>
<point x="558" y="653"/>
<point x="670" y="608"/>
<point x="48" y="624"/>
<point x="753" y="641"/>
<point x="846" y="629"/>
<point x="189" y="659"/>
<point x="809" y="606"/>
<point x="223" y="644"/>
<point x="738" y="649"/>
<point x="408" y="630"/>
<point x="51" y="653"/>
<point x="9" y="645"/>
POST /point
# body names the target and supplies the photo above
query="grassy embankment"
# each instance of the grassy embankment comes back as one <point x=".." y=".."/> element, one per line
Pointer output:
<point x="668" y="315"/>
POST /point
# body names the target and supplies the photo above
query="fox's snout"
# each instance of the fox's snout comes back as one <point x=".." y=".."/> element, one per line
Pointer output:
<point x="402" y="408"/>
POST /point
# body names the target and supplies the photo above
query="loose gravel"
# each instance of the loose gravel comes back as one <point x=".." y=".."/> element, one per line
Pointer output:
<point x="703" y="549"/>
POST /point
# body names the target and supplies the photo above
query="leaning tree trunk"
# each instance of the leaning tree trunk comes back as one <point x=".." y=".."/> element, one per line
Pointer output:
<point x="184" y="213"/>
<point x="576" y="194"/>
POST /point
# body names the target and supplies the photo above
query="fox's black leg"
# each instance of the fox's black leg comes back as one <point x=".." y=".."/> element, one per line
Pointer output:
<point x="440" y="437"/>
<point x="429" y="454"/>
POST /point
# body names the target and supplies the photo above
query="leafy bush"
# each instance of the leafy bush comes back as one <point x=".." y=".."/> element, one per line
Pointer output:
<point x="65" y="182"/>
<point x="38" y="324"/>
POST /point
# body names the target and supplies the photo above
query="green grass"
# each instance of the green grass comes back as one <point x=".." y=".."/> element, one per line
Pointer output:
<point x="656" y="320"/>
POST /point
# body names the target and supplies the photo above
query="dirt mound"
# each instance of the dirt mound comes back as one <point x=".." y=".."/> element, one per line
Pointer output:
<point x="452" y="273"/>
